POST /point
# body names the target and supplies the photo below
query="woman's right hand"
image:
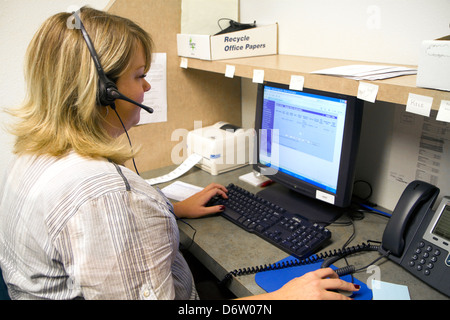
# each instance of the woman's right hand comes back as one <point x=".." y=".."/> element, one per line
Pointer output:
<point x="321" y="284"/>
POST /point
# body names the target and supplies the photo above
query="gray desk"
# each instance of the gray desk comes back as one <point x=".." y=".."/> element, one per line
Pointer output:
<point x="222" y="247"/>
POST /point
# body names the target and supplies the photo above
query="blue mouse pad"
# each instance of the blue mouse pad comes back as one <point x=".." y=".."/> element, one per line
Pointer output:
<point x="274" y="279"/>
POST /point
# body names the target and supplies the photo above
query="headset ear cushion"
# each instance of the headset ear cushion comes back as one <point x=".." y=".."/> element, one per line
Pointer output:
<point x="107" y="92"/>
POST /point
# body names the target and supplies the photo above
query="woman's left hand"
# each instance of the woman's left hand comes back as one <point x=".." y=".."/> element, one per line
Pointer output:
<point x="194" y="206"/>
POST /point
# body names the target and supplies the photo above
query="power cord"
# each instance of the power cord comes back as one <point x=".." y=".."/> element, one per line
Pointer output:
<point x="363" y="201"/>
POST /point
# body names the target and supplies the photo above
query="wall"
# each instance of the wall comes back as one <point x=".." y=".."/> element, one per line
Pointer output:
<point x="385" y="31"/>
<point x="367" y="30"/>
<point x="191" y="96"/>
<point x="19" y="20"/>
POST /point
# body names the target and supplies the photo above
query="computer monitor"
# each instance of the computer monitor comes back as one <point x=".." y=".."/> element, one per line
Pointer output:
<point x="307" y="142"/>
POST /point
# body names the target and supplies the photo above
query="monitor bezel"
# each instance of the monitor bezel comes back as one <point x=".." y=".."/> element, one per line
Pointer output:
<point x="351" y="137"/>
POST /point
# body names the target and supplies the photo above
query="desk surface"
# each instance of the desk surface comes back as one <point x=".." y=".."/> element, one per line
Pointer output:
<point x="222" y="247"/>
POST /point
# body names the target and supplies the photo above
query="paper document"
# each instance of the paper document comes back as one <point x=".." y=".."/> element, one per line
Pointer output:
<point x="367" y="72"/>
<point x="156" y="97"/>
<point x="180" y="190"/>
<point x="389" y="291"/>
<point x="187" y="164"/>
<point x="253" y="179"/>
<point x="426" y="143"/>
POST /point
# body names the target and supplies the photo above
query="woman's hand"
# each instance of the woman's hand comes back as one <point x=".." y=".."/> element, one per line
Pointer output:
<point x="194" y="206"/>
<point x="322" y="284"/>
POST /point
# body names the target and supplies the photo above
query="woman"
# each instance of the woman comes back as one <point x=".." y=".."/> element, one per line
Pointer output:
<point x="75" y="223"/>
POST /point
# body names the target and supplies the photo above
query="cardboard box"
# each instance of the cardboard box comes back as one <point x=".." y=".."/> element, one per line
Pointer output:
<point x="257" y="41"/>
<point x="434" y="64"/>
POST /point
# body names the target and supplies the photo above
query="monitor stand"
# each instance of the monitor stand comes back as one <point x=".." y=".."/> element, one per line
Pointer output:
<point x="311" y="209"/>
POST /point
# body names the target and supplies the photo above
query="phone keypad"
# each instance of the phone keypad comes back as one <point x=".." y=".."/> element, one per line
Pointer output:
<point x="424" y="258"/>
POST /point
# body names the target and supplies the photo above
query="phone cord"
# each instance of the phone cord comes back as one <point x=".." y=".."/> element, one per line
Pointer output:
<point x="336" y="254"/>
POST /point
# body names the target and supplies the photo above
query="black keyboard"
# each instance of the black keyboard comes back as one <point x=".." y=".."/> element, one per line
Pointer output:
<point x="285" y="230"/>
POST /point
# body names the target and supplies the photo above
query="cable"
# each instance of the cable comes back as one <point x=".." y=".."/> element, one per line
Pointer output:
<point x="348" y="251"/>
<point x="352" y="236"/>
<point x="137" y="171"/>
<point x="221" y="19"/>
<point x="193" y="236"/>
<point x="377" y="259"/>
<point x="363" y="200"/>
<point x="368" y="184"/>
<point x="299" y="262"/>
<point x="376" y="211"/>
<point x="113" y="106"/>
<point x="352" y="269"/>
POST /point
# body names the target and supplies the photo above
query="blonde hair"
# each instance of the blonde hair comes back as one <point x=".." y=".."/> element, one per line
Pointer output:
<point x="60" y="112"/>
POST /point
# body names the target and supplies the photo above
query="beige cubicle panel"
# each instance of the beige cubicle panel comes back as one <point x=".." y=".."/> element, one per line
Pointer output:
<point x="192" y="95"/>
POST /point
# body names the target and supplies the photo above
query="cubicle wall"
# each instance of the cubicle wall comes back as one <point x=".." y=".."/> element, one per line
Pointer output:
<point x="192" y="95"/>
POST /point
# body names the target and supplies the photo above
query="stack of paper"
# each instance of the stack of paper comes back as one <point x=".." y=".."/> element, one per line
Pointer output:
<point x="367" y="72"/>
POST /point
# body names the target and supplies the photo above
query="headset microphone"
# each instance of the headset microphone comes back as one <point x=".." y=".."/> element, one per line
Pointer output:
<point x="107" y="89"/>
<point x="115" y="94"/>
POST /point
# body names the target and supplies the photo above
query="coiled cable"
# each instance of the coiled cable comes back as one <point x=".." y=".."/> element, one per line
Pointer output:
<point x="329" y="257"/>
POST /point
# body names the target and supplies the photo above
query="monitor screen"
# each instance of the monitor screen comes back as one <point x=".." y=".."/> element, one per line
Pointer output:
<point x="308" y="141"/>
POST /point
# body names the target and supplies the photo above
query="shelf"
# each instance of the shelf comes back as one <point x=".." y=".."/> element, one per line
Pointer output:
<point x="279" y="68"/>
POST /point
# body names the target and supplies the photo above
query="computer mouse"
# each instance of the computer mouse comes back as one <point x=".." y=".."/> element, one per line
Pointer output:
<point x="345" y="293"/>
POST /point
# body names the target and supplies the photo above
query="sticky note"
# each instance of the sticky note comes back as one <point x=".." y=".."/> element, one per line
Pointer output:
<point x="419" y="104"/>
<point x="258" y="76"/>
<point x="367" y="91"/>
<point x="253" y="179"/>
<point x="297" y="83"/>
<point x="389" y="291"/>
<point x="444" y="111"/>
<point x="184" y="63"/>
<point x="325" y="196"/>
<point x="229" y="71"/>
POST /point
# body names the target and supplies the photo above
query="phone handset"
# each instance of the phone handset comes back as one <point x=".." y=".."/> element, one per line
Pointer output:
<point x="418" y="195"/>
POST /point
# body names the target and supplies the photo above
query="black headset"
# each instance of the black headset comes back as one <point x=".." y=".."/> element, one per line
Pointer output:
<point x="107" y="89"/>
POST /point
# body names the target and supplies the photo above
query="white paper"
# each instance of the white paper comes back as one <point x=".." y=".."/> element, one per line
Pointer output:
<point x="296" y="83"/>
<point x="419" y="104"/>
<point x="180" y="190"/>
<point x="253" y="179"/>
<point x="229" y="71"/>
<point x="425" y="143"/>
<point x="184" y="63"/>
<point x="187" y="164"/>
<point x="444" y="111"/>
<point x="325" y="196"/>
<point x="405" y="144"/>
<point x="367" y="91"/>
<point x="156" y="97"/>
<point x="389" y="291"/>
<point x="258" y="76"/>
<point x="367" y="72"/>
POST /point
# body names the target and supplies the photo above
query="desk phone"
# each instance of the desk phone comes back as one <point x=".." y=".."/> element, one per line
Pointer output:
<point x="417" y="238"/>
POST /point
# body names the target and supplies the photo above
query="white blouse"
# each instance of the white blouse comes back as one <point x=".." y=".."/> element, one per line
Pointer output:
<point x="75" y="227"/>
